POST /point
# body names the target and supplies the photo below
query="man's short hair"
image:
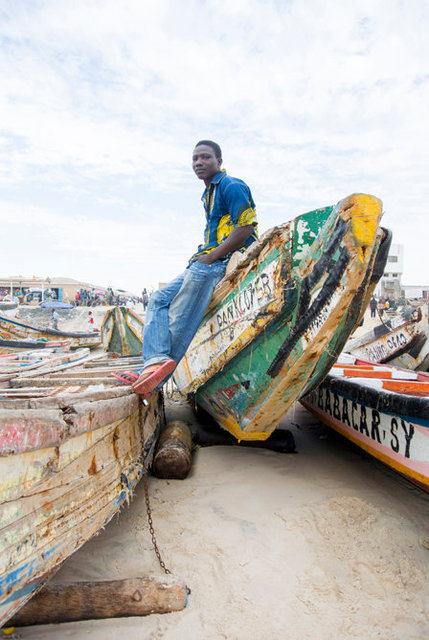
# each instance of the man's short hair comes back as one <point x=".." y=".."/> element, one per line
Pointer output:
<point x="214" y="145"/>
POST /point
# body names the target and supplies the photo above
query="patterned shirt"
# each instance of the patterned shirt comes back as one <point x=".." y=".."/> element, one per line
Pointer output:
<point x="228" y="203"/>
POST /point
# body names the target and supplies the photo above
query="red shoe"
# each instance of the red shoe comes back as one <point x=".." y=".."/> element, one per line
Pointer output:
<point x="152" y="376"/>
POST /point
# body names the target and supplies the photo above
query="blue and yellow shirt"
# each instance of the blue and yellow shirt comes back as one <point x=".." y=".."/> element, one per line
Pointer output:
<point x="228" y="203"/>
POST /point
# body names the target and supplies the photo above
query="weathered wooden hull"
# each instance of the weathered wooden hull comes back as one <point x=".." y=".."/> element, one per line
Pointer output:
<point x="35" y="363"/>
<point x="386" y="415"/>
<point x="7" y="306"/>
<point x="278" y="322"/>
<point x="404" y="345"/>
<point x="122" y="331"/>
<point x="71" y="454"/>
<point x="11" y="329"/>
<point x="16" y="346"/>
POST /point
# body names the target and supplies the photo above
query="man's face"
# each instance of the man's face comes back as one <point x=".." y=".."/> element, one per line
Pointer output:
<point x="204" y="163"/>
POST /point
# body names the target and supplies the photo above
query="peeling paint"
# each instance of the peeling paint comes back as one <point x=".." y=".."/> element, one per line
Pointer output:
<point x="248" y="364"/>
<point x="56" y="497"/>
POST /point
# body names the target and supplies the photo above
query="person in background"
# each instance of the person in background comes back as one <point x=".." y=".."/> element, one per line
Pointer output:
<point x="174" y="312"/>
<point x="145" y="299"/>
<point x="90" y="321"/>
<point x="373" y="307"/>
<point x="54" y="318"/>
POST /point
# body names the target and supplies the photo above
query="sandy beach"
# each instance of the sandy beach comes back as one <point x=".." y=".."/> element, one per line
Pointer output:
<point x="255" y="210"/>
<point x="325" y="543"/>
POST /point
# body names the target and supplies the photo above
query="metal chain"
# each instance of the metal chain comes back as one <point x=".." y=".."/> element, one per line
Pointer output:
<point x="146" y="493"/>
<point x="151" y="529"/>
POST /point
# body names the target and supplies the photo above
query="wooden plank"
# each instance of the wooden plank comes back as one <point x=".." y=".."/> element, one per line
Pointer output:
<point x="22" y="475"/>
<point x="41" y="428"/>
<point x="57" y="396"/>
<point x="73" y="601"/>
<point x="32" y="429"/>
<point x="65" y="380"/>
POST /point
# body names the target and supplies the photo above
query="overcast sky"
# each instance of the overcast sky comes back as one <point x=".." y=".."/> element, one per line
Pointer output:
<point x="102" y="101"/>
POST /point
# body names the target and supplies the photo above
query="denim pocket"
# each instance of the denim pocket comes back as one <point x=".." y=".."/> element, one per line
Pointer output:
<point x="200" y="267"/>
<point x="216" y="269"/>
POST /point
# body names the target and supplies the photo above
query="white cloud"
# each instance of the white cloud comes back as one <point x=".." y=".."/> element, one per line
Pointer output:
<point x="101" y="102"/>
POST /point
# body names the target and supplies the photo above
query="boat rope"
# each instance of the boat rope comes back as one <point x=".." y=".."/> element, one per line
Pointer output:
<point x="146" y="493"/>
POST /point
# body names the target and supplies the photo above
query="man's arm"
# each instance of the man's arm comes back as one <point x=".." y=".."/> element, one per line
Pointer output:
<point x="235" y="240"/>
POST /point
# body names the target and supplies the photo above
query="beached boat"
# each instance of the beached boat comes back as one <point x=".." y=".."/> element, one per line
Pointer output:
<point x="73" y="445"/>
<point x="36" y="363"/>
<point x="7" y="305"/>
<point x="122" y="331"/>
<point x="12" y="329"/>
<point x="16" y="346"/>
<point x="382" y="409"/>
<point x="279" y="320"/>
<point x="398" y="341"/>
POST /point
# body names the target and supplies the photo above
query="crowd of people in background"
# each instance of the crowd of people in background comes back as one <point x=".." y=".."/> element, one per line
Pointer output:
<point x="383" y="307"/>
<point x="86" y="298"/>
<point x="82" y="298"/>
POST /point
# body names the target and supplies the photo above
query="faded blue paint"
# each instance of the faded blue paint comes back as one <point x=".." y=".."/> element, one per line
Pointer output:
<point x="16" y="576"/>
<point x="12" y="578"/>
<point x="22" y="592"/>
<point x="120" y="498"/>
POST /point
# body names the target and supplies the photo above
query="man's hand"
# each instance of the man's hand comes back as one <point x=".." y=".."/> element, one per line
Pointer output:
<point x="206" y="258"/>
<point x="234" y="241"/>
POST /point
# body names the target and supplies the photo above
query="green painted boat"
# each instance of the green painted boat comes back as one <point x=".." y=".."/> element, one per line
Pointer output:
<point x="122" y="331"/>
<point x="279" y="319"/>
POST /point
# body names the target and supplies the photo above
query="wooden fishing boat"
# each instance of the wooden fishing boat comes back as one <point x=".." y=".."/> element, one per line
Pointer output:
<point x="6" y="305"/>
<point x="398" y="341"/>
<point x="16" y="346"/>
<point x="122" y="331"/>
<point x="36" y="363"/>
<point x="382" y="409"/>
<point x="279" y="320"/>
<point x="73" y="445"/>
<point x="12" y="329"/>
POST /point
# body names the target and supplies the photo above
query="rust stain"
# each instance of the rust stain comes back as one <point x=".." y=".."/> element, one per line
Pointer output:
<point x="93" y="468"/>
<point x="52" y="463"/>
<point x="114" y="443"/>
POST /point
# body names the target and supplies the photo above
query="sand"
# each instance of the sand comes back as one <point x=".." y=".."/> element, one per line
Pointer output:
<point x="325" y="543"/>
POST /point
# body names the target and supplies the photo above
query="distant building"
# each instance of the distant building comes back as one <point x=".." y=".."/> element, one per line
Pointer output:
<point x="63" y="289"/>
<point x="415" y="291"/>
<point x="389" y="285"/>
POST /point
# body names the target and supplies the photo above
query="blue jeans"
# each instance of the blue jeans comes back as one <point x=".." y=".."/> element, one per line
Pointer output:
<point x="175" y="312"/>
